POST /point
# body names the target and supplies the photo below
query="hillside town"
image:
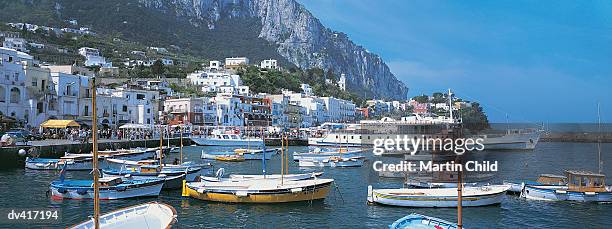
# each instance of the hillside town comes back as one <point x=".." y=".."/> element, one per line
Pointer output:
<point x="32" y="92"/>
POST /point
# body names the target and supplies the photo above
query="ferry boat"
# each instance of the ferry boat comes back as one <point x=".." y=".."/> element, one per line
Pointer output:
<point x="110" y="188"/>
<point x="333" y="161"/>
<point x="151" y="215"/>
<point x="519" y="139"/>
<point x="227" y="138"/>
<point x="412" y="126"/>
<point x="422" y="222"/>
<point x="581" y="186"/>
<point x="438" y="197"/>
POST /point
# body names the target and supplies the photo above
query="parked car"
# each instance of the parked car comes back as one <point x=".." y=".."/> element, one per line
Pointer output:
<point x="23" y="135"/>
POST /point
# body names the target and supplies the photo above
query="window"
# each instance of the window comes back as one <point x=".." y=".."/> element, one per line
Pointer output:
<point x="124" y="108"/>
<point x="86" y="111"/>
<point x="16" y="76"/>
<point x="2" y="94"/>
<point x="15" y="95"/>
<point x="149" y="111"/>
<point x="34" y="83"/>
<point x="140" y="96"/>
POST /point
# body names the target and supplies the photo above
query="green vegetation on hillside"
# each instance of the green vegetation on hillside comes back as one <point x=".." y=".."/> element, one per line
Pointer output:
<point x="273" y="81"/>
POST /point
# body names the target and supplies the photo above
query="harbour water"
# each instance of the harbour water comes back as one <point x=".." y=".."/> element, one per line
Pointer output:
<point x="345" y="206"/>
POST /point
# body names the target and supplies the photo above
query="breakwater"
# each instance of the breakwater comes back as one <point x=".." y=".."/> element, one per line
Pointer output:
<point x="577" y="137"/>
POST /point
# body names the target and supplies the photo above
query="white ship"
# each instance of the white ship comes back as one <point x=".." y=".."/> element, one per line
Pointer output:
<point x="365" y="132"/>
<point x="522" y="139"/>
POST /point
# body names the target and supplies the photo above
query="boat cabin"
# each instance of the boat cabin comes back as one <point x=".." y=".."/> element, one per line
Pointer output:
<point x="581" y="181"/>
<point x="551" y="179"/>
<point x="109" y="181"/>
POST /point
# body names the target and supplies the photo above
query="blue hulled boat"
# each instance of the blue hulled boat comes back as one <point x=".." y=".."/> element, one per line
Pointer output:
<point x="418" y="221"/>
<point x="110" y="188"/>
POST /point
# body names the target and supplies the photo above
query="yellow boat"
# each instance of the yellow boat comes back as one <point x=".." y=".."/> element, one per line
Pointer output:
<point x="259" y="190"/>
<point x="231" y="158"/>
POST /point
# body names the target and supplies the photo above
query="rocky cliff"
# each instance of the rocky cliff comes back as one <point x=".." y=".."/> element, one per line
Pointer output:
<point x="297" y="35"/>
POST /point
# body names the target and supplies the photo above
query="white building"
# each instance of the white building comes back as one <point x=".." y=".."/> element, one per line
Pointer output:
<point x="218" y="81"/>
<point x="342" y="82"/>
<point x="269" y="64"/>
<point x="18" y="44"/>
<point x="229" y="110"/>
<point x="93" y="57"/>
<point x="142" y="105"/>
<point x="214" y="65"/>
<point x="13" y="99"/>
<point x="306" y="89"/>
<point x="67" y="91"/>
<point x="315" y="107"/>
<point x="235" y="62"/>
<point x="339" y="110"/>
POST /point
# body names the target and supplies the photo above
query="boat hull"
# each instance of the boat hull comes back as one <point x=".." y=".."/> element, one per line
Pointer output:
<point x="559" y="193"/>
<point x="309" y="193"/>
<point x="80" y="193"/>
<point x="56" y="164"/>
<point x="421" y="221"/>
<point x="514" y="141"/>
<point x="148" y="215"/>
<point x="437" y="201"/>
<point x="331" y="163"/>
<point x="227" y="142"/>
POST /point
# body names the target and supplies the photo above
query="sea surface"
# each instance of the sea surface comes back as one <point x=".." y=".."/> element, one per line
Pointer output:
<point x="345" y="207"/>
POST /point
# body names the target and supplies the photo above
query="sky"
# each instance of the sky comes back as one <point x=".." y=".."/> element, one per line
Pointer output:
<point x="524" y="61"/>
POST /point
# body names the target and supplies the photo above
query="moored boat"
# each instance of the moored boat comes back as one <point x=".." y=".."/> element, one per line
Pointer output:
<point x="581" y="187"/>
<point x="332" y="162"/>
<point x="73" y="162"/>
<point x="323" y="153"/>
<point x="421" y="221"/>
<point x="543" y="179"/>
<point x="172" y="176"/>
<point x="259" y="191"/>
<point x="110" y="188"/>
<point x="247" y="154"/>
<point x="219" y="138"/>
<point x="149" y="215"/>
<point x="230" y="158"/>
<point x="438" y="197"/>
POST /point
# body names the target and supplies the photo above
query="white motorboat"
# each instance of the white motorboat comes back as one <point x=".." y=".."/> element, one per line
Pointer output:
<point x="151" y="215"/>
<point x="219" y="138"/>
<point x="438" y="197"/>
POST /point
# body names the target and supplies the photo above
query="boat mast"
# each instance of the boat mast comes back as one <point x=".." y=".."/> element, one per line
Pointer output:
<point x="599" y="162"/>
<point x="181" y="147"/>
<point x="94" y="137"/>
<point x="161" y="144"/>
<point x="282" y="138"/>
<point x="263" y="158"/>
<point x="450" y="105"/>
<point x="459" y="200"/>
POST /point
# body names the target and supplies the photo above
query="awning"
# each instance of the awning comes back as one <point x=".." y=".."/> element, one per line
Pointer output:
<point x="57" y="124"/>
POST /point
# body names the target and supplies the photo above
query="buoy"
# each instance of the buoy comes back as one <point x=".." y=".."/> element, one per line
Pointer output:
<point x="22" y="152"/>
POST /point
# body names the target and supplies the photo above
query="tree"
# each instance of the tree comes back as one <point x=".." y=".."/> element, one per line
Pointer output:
<point x="157" y="68"/>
